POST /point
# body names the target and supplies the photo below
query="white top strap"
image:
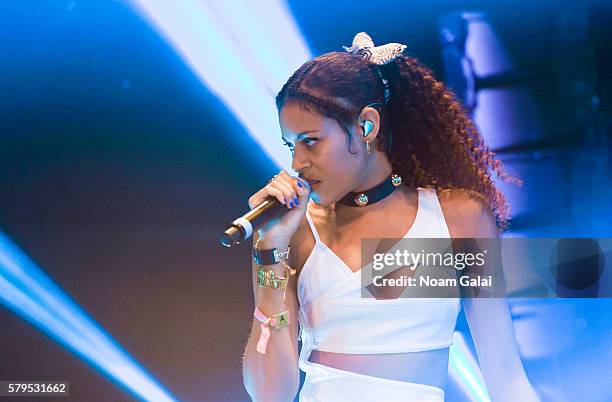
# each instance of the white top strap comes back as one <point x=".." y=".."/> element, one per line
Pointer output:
<point x="313" y="229"/>
<point x="437" y="221"/>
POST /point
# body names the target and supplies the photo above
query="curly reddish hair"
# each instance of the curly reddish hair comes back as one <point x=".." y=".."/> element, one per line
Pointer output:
<point x="426" y="133"/>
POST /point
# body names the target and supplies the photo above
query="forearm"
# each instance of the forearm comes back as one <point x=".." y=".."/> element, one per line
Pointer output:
<point x="509" y="387"/>
<point x="506" y="378"/>
<point x="498" y="354"/>
<point x="273" y="376"/>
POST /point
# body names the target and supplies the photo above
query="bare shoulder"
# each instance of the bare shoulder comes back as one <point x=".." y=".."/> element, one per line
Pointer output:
<point x="467" y="213"/>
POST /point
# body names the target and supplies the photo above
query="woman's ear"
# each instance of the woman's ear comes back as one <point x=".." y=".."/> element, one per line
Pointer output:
<point x="369" y="121"/>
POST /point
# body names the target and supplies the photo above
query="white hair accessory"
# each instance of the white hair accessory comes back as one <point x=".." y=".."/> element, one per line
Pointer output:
<point x="379" y="55"/>
<point x="363" y="46"/>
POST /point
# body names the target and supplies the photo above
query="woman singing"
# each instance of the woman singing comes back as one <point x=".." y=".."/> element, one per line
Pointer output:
<point x="383" y="150"/>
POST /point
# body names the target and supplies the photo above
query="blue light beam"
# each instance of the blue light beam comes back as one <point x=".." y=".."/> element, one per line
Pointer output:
<point x="465" y="371"/>
<point x="242" y="51"/>
<point x="27" y="291"/>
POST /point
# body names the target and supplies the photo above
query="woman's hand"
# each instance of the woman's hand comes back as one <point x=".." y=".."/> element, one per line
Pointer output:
<point x="292" y="192"/>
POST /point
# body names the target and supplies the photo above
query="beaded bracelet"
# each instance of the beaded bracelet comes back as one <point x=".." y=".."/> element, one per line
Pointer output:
<point x="267" y="278"/>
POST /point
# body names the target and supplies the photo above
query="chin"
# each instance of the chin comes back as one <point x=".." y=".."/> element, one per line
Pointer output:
<point x="321" y="200"/>
<point x="317" y="199"/>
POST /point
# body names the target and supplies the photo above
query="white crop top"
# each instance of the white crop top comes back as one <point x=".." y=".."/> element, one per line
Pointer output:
<point x="335" y="318"/>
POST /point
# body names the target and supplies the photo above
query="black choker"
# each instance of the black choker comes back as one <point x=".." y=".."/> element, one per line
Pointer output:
<point x="376" y="193"/>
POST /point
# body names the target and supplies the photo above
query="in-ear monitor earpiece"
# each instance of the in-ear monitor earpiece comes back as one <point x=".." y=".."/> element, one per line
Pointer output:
<point x="367" y="127"/>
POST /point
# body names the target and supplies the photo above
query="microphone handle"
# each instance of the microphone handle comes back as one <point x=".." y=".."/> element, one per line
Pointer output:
<point x="243" y="227"/>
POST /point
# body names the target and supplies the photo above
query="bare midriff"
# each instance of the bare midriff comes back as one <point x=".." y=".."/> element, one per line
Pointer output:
<point x="428" y="367"/>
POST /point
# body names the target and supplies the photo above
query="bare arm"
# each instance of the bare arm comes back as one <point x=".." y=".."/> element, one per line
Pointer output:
<point x="489" y="319"/>
<point x="493" y="333"/>
<point x="273" y="376"/>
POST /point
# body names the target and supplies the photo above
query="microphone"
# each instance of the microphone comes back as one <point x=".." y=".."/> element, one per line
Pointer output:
<point x="242" y="228"/>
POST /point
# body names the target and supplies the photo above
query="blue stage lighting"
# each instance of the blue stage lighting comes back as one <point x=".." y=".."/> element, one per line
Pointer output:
<point x="242" y="51"/>
<point x="32" y="295"/>
<point x="465" y="371"/>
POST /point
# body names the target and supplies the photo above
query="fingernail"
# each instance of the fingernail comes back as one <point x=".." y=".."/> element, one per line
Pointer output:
<point x="305" y="184"/>
<point x="300" y="184"/>
<point x="297" y="202"/>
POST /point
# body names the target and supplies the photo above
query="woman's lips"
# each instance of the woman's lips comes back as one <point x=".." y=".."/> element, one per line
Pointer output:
<point x="313" y="184"/>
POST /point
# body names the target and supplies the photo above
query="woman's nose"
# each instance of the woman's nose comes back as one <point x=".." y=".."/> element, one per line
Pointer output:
<point x="299" y="163"/>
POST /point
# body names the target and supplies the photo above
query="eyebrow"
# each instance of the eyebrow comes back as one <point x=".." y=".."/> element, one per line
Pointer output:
<point x="301" y="135"/>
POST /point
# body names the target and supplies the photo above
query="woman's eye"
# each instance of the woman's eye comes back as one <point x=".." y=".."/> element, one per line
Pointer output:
<point x="309" y="141"/>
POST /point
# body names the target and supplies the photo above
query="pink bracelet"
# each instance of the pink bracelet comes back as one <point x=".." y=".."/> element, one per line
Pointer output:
<point x="277" y="321"/>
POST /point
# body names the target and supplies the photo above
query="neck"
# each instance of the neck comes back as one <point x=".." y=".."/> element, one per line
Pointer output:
<point x="378" y="169"/>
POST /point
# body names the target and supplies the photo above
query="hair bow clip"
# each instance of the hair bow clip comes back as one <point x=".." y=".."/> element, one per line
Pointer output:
<point x="363" y="46"/>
